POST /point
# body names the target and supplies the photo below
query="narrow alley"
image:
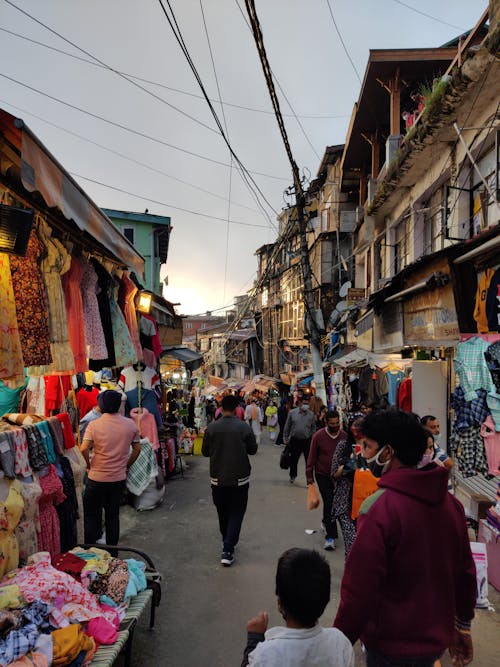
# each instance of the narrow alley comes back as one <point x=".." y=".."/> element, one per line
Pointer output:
<point x="204" y="609"/>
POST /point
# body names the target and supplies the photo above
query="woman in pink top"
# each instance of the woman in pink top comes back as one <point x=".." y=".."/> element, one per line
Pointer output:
<point x="110" y="438"/>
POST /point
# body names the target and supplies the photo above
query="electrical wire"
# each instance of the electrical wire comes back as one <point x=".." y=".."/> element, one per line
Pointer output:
<point x="126" y="157"/>
<point x="162" y="203"/>
<point x="164" y="86"/>
<point x="172" y="21"/>
<point x="230" y="156"/>
<point x="433" y="18"/>
<point x="294" y="115"/>
<point x="337" y="30"/>
<point x="131" y="130"/>
<point x="112" y="69"/>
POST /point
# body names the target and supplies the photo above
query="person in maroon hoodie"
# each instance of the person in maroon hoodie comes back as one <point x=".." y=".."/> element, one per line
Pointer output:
<point x="409" y="585"/>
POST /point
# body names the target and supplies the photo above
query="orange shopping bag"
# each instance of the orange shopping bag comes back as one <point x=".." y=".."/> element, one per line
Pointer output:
<point x="363" y="486"/>
<point x="312" y="497"/>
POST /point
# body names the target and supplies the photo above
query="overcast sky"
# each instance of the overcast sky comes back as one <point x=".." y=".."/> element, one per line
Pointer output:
<point x="133" y="36"/>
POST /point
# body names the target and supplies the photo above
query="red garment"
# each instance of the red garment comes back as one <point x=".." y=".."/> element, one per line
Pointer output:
<point x="126" y="294"/>
<point x="410" y="570"/>
<point x="86" y="400"/>
<point x="69" y="438"/>
<point x="321" y="453"/>
<point x="155" y="340"/>
<point x="403" y="395"/>
<point x="56" y="389"/>
<point x="240" y="413"/>
<point x="69" y="563"/>
<point x="49" y="536"/>
<point x="71" y="281"/>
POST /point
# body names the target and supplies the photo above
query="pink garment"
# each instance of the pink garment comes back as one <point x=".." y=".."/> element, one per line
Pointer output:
<point x="92" y="324"/>
<point x="149" y="357"/>
<point x="49" y="537"/>
<point x="491" y="439"/>
<point x="156" y="342"/>
<point x="146" y="424"/>
<point x="41" y="581"/>
<point x="74" y="308"/>
<point x="126" y="295"/>
<point x="102" y="631"/>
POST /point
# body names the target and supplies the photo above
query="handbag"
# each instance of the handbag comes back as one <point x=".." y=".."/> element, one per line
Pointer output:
<point x="312" y="501"/>
<point x="364" y="485"/>
<point x="285" y="457"/>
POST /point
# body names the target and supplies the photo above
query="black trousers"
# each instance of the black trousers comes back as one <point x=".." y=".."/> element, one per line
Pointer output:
<point x="231" y="504"/>
<point x="298" y="447"/>
<point x="325" y="486"/>
<point x="101" y="496"/>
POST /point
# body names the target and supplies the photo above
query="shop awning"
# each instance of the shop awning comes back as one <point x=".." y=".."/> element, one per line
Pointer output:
<point x="41" y="172"/>
<point x="306" y="380"/>
<point x="190" y="359"/>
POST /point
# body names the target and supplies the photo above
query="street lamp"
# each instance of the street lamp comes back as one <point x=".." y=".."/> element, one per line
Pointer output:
<point x="144" y="304"/>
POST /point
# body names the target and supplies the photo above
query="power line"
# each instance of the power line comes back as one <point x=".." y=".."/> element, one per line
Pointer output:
<point x="342" y="41"/>
<point x="131" y="130"/>
<point x="125" y="157"/>
<point x="171" y="88"/>
<point x="294" y="115"/>
<point x="172" y="21"/>
<point x="162" y="203"/>
<point x="111" y="69"/>
<point x="230" y="156"/>
<point x="433" y="18"/>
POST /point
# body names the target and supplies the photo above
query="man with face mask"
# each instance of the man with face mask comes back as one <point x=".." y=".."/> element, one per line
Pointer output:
<point x="409" y="585"/>
<point x="299" y="429"/>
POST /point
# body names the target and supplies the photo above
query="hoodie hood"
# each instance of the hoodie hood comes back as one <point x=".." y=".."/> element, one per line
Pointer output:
<point x="429" y="484"/>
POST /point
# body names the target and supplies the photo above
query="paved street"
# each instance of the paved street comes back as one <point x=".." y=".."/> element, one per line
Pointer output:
<point x="202" y="617"/>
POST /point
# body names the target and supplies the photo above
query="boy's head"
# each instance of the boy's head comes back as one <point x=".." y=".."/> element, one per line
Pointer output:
<point x="229" y="404"/>
<point x="303" y="585"/>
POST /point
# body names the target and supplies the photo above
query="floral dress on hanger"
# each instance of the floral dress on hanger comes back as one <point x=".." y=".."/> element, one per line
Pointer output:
<point x="56" y="262"/>
<point x="49" y="535"/>
<point x="11" y="510"/>
<point x="92" y="325"/>
<point x="31" y="303"/>
<point x="26" y="531"/>
<point x="71" y="281"/>
<point x="126" y="295"/>
<point x="11" y="358"/>
<point x="124" y="349"/>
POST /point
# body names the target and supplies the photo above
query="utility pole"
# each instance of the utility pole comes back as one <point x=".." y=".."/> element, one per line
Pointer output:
<point x="300" y="200"/>
<point x="310" y="309"/>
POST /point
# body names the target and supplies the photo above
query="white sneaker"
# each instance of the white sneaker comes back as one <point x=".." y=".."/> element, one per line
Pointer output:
<point x="329" y="544"/>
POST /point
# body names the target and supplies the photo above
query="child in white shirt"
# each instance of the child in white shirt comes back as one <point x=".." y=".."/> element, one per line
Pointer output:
<point x="303" y="590"/>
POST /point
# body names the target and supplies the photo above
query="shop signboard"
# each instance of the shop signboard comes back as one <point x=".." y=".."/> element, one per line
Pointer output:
<point x="388" y="328"/>
<point x="431" y="317"/>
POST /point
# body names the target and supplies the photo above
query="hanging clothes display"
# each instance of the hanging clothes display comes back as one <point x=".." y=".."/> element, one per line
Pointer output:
<point x="147" y="331"/>
<point x="31" y="303"/>
<point x="156" y="345"/>
<point x="68" y="509"/>
<point x="124" y="349"/>
<point x="146" y="425"/>
<point x="86" y="399"/>
<point x="71" y="282"/>
<point x="492" y="357"/>
<point x="130" y="376"/>
<point x="404" y="395"/>
<point x="104" y="281"/>
<point x="55" y="263"/>
<point x="35" y="396"/>
<point x="49" y="536"/>
<point x="29" y="525"/>
<point x="126" y="296"/>
<point x="10" y="398"/>
<point x="483" y="283"/>
<point x="492" y="446"/>
<point x="79" y="468"/>
<point x="11" y="510"/>
<point x="11" y="358"/>
<point x="92" y="325"/>
<point x="467" y="448"/>
<point x="148" y="400"/>
<point x="471" y="368"/>
<point x="493" y="303"/>
<point x="372" y="385"/>
<point x="394" y="377"/>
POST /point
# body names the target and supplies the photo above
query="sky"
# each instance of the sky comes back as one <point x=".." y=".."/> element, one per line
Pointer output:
<point x="210" y="259"/>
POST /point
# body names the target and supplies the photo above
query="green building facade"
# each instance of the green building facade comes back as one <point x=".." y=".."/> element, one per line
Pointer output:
<point x="149" y="234"/>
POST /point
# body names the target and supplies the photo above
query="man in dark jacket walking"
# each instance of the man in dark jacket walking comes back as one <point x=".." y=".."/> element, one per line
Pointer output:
<point x="409" y="584"/>
<point x="228" y="442"/>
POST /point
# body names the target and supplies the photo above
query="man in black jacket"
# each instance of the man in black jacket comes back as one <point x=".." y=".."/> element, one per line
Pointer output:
<point x="228" y="442"/>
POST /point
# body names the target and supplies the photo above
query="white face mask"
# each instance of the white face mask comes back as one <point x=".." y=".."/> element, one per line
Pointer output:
<point x="437" y="439"/>
<point x="305" y="406"/>
<point x="376" y="466"/>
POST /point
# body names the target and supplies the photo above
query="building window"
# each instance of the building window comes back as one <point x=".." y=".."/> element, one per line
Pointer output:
<point x="188" y="325"/>
<point x="401" y="245"/>
<point x="129" y="234"/>
<point x="433" y="223"/>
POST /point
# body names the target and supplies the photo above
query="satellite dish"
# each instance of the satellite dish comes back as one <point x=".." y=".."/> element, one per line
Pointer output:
<point x="343" y="289"/>
<point x="342" y="306"/>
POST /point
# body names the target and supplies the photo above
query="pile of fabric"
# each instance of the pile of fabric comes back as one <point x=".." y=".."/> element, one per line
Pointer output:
<point x="59" y="612"/>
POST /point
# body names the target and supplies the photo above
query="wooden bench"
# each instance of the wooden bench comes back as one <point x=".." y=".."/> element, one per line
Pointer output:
<point x="107" y="655"/>
<point x="476" y="494"/>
